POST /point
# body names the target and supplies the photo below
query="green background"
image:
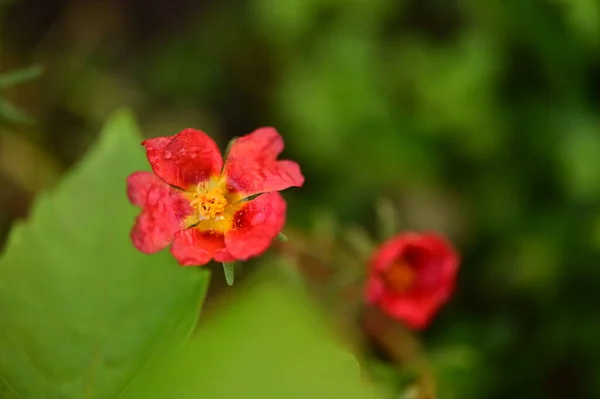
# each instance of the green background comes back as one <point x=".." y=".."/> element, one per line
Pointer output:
<point x="478" y="119"/>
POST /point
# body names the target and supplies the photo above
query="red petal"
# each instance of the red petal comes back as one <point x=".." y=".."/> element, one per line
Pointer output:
<point x="138" y="184"/>
<point x="252" y="167"/>
<point x="163" y="211"/>
<point x="388" y="252"/>
<point x="193" y="247"/>
<point x="375" y="289"/>
<point x="184" y="160"/>
<point x="415" y="314"/>
<point x="256" y="225"/>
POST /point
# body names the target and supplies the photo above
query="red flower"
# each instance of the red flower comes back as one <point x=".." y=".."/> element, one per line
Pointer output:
<point x="201" y="206"/>
<point x="411" y="276"/>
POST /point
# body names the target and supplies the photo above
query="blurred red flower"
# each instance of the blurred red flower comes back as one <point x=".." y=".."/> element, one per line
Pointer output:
<point x="411" y="276"/>
<point x="208" y="209"/>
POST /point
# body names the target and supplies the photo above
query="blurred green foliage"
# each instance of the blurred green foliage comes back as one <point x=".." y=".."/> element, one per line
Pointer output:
<point x="8" y="112"/>
<point x="82" y="311"/>
<point x="236" y="354"/>
<point x="478" y="118"/>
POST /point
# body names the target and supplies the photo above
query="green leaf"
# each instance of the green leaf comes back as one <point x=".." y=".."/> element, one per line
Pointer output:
<point x="81" y="311"/>
<point x="20" y="75"/>
<point x="267" y="342"/>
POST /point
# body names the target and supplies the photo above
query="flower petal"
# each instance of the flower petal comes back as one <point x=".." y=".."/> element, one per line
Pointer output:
<point x="164" y="210"/>
<point x="252" y="167"/>
<point x="416" y="314"/>
<point x="193" y="247"/>
<point x="256" y="225"/>
<point x="138" y="185"/>
<point x="184" y="160"/>
<point x="437" y="265"/>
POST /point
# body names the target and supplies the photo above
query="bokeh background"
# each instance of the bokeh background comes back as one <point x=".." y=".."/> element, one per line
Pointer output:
<point x="478" y="119"/>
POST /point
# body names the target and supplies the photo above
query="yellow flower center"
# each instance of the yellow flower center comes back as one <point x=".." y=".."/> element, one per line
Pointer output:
<point x="400" y="276"/>
<point x="209" y="202"/>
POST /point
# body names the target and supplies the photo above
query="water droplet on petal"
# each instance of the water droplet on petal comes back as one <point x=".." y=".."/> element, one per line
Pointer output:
<point x="258" y="218"/>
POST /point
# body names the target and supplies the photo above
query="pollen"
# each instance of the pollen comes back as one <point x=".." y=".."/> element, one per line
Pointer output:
<point x="400" y="277"/>
<point x="209" y="203"/>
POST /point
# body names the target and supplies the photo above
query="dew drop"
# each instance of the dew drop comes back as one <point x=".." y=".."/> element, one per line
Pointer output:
<point x="258" y="218"/>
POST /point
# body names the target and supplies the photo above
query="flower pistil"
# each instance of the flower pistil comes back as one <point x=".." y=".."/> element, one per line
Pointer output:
<point x="209" y="202"/>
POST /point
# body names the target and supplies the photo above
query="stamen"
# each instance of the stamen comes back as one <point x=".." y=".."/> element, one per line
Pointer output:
<point x="400" y="276"/>
<point x="209" y="203"/>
